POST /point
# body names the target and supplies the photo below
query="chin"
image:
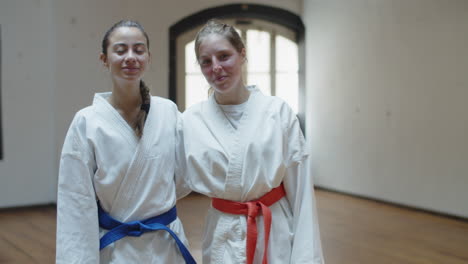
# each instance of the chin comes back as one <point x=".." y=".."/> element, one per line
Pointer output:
<point x="132" y="78"/>
<point x="222" y="90"/>
<point x="128" y="81"/>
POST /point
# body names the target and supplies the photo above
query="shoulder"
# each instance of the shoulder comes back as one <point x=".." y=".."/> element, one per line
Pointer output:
<point x="163" y="104"/>
<point x="278" y="104"/>
<point x="279" y="109"/>
<point x="274" y="105"/>
<point x="83" y="120"/>
<point x="89" y="115"/>
<point x="83" y="116"/>
<point x="75" y="139"/>
<point x="269" y="103"/>
<point x="194" y="109"/>
<point x="284" y="109"/>
<point x="163" y="101"/>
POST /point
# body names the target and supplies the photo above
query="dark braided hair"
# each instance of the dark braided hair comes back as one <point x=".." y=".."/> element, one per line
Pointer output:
<point x="144" y="90"/>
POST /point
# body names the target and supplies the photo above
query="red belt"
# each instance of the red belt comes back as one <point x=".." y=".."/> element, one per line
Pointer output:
<point x="251" y="210"/>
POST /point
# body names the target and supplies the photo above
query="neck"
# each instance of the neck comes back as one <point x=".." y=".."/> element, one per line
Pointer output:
<point x="126" y="97"/>
<point x="235" y="97"/>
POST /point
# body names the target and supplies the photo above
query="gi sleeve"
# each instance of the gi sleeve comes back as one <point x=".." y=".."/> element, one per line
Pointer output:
<point x="77" y="220"/>
<point x="294" y="144"/>
<point x="299" y="188"/>
<point x="300" y="193"/>
<point x="181" y="177"/>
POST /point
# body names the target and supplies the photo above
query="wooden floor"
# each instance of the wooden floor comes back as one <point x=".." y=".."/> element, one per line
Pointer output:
<point x="353" y="230"/>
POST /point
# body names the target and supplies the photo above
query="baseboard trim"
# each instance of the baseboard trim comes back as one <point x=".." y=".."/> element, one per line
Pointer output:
<point x="399" y="205"/>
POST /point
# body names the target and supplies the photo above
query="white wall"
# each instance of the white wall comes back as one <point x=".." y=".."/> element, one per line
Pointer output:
<point x="79" y="27"/>
<point x="27" y="171"/>
<point x="387" y="99"/>
<point x="51" y="69"/>
<point x="385" y="82"/>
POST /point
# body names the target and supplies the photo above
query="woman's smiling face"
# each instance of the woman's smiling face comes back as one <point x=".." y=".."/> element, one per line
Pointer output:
<point x="127" y="54"/>
<point x="221" y="63"/>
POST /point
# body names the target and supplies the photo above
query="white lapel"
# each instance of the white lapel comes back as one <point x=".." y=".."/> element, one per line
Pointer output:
<point x="217" y="123"/>
<point x="233" y="141"/>
<point x="112" y="116"/>
<point x="123" y="201"/>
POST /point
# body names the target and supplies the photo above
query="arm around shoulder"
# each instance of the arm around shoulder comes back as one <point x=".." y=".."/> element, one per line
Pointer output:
<point x="181" y="177"/>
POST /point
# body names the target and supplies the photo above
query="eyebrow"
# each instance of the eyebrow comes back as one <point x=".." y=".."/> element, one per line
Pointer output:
<point x="217" y="52"/>
<point x="124" y="44"/>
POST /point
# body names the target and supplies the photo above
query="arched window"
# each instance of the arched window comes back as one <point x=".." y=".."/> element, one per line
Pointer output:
<point x="274" y="40"/>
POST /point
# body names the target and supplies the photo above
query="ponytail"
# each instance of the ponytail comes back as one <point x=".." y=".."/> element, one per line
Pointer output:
<point x="144" y="110"/>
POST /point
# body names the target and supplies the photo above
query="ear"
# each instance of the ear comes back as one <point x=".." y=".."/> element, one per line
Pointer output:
<point x="149" y="57"/>
<point x="243" y="54"/>
<point x="103" y="58"/>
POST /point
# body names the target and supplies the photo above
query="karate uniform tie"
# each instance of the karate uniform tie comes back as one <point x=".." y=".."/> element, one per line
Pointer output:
<point x="119" y="230"/>
<point x="251" y="210"/>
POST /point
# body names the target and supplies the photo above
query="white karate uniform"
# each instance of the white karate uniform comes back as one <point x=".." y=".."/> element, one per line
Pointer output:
<point x="133" y="178"/>
<point x="243" y="164"/>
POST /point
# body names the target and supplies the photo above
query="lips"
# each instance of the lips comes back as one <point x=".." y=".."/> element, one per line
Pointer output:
<point x="220" y="78"/>
<point x="131" y="69"/>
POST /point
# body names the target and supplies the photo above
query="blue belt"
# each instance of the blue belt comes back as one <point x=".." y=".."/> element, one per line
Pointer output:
<point x="120" y="230"/>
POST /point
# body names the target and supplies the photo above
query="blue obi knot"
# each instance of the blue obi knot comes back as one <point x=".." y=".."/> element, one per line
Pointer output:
<point x="119" y="230"/>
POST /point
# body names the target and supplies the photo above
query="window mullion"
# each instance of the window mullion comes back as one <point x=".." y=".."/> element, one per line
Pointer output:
<point x="244" y="67"/>
<point x="273" y="62"/>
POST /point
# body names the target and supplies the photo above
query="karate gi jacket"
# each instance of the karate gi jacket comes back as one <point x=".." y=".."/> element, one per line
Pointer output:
<point x="133" y="179"/>
<point x="243" y="164"/>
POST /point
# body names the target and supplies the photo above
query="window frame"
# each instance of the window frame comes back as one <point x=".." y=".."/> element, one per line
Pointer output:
<point x="1" y="128"/>
<point x="244" y="25"/>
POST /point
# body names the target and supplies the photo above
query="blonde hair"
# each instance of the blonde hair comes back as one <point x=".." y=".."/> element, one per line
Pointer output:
<point x="214" y="26"/>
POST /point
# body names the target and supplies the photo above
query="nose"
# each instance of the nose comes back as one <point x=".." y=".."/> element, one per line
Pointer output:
<point x="216" y="66"/>
<point x="130" y="56"/>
